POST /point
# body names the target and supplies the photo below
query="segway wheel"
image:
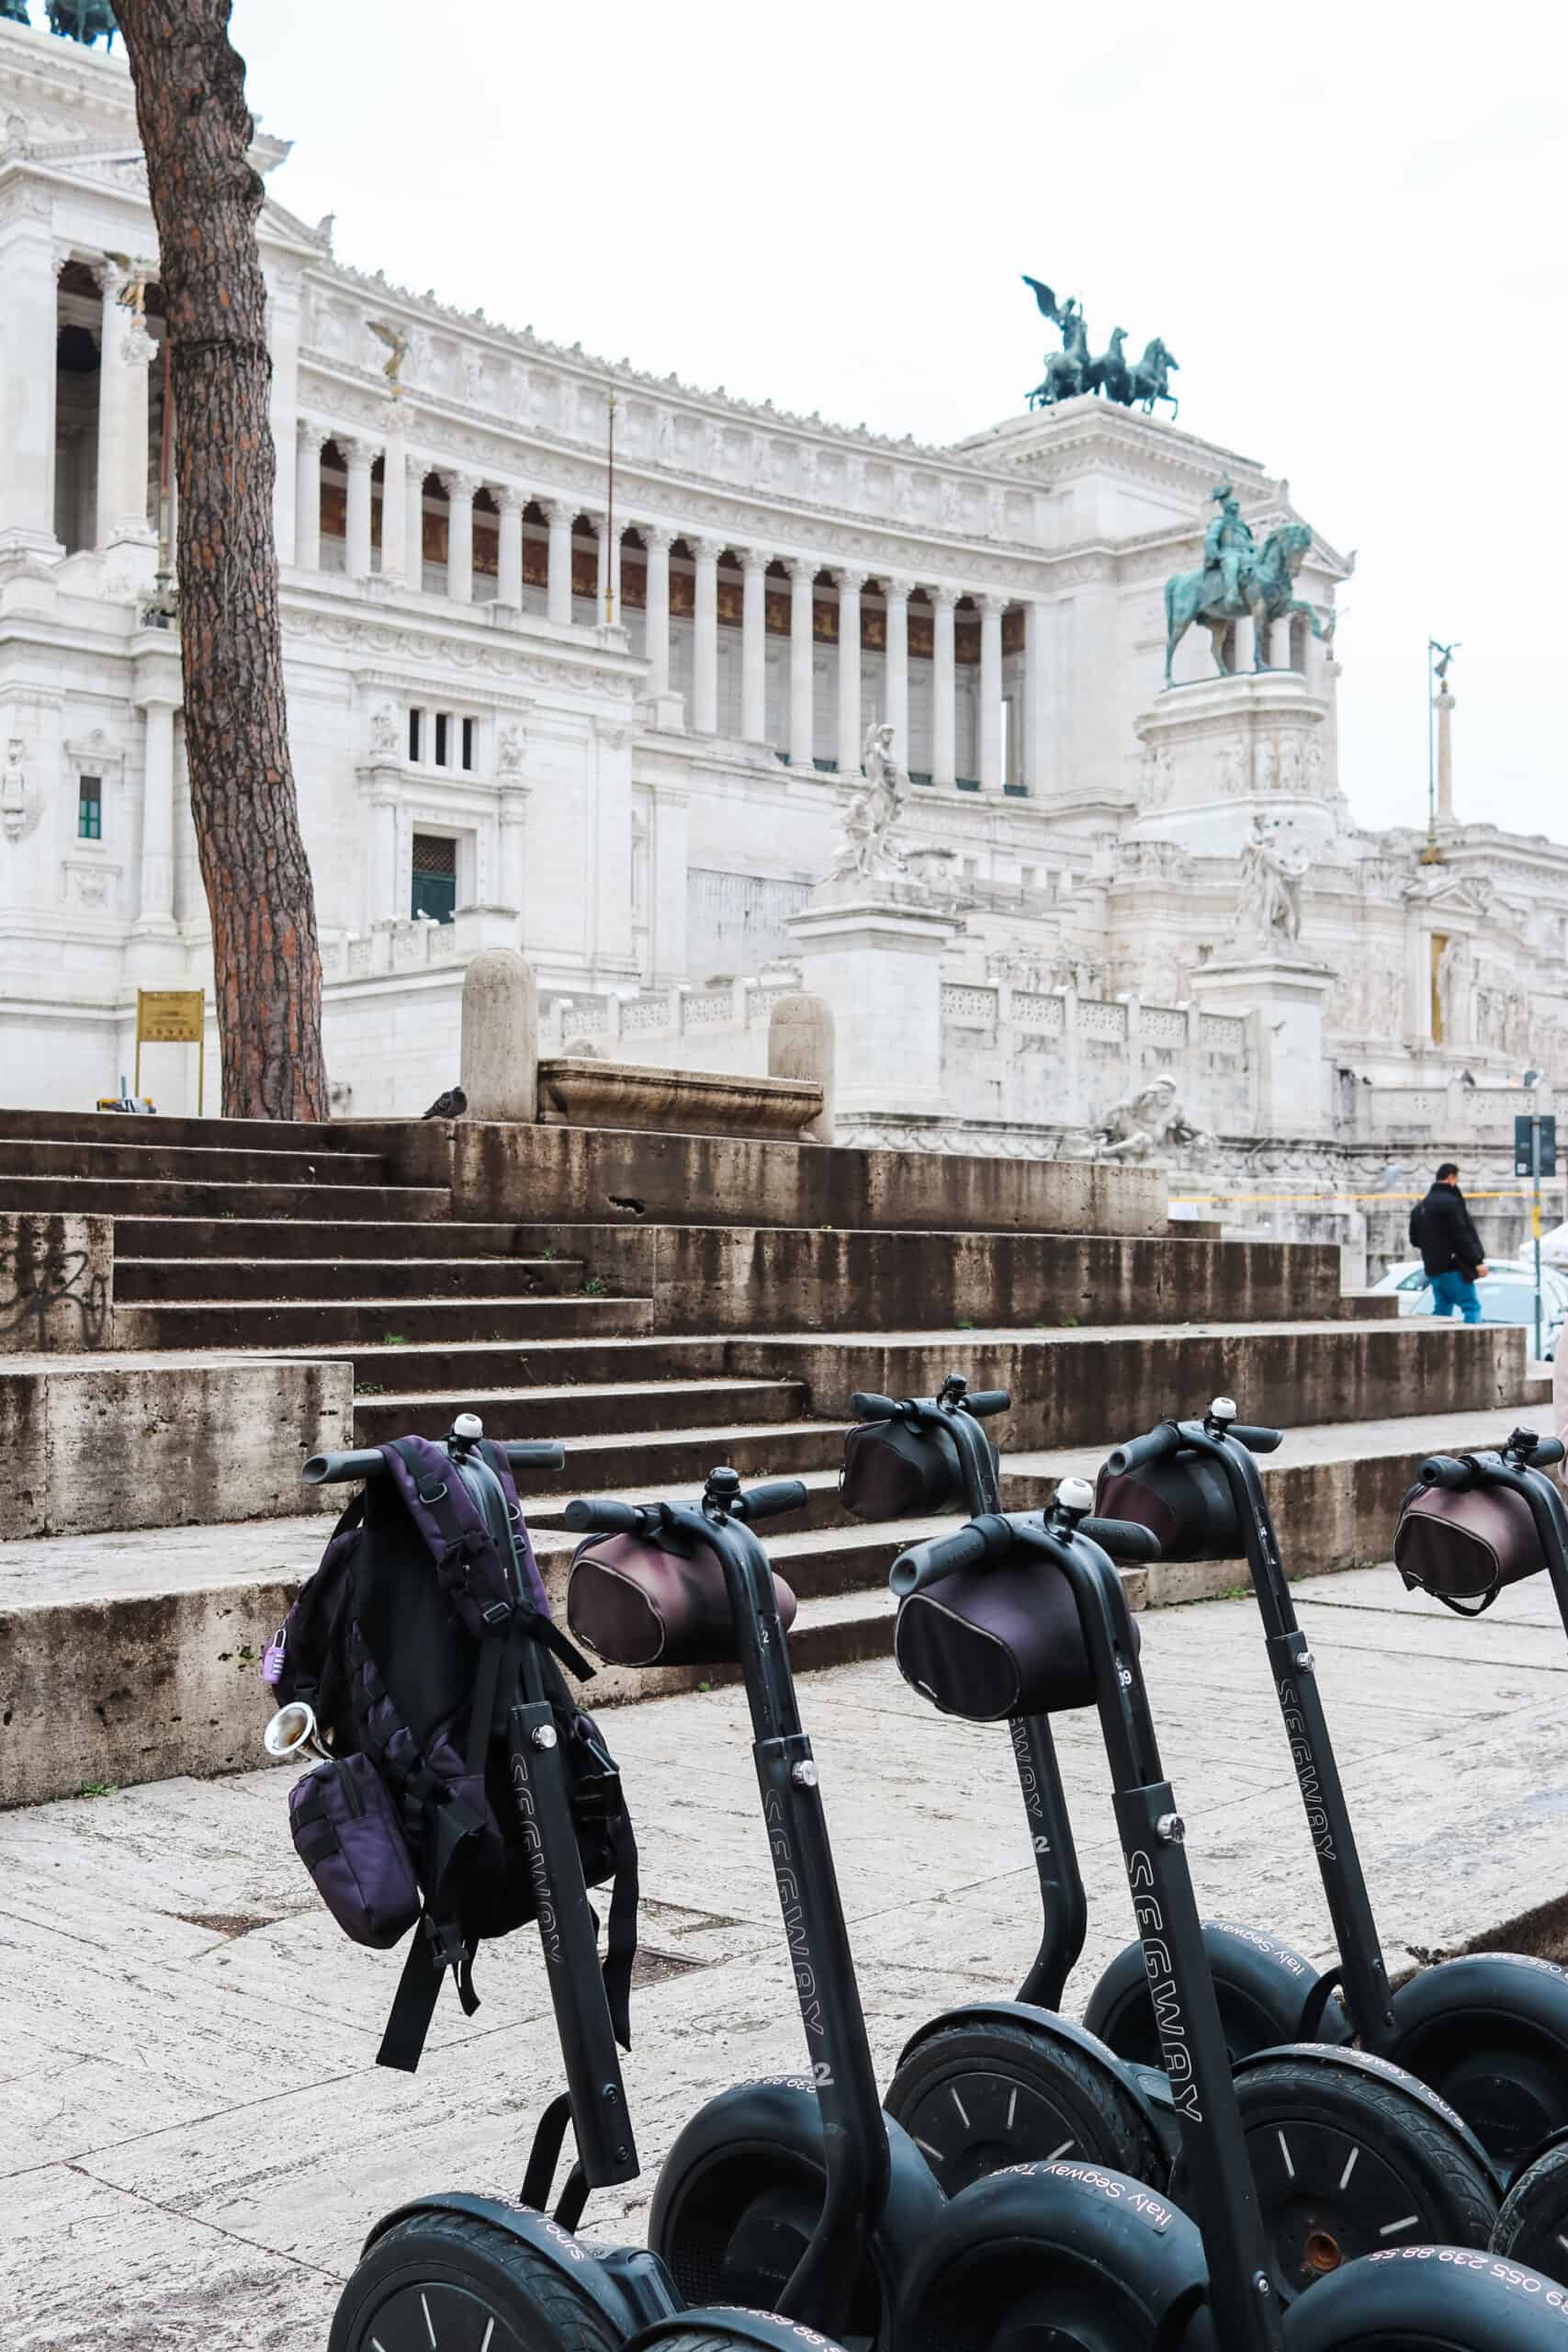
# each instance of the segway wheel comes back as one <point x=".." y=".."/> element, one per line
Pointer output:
<point x="1260" y="1984"/>
<point x="1533" y="2224"/>
<point x="450" y="2281"/>
<point x="1430" y="2299"/>
<point x="1489" y="2031"/>
<point x="983" y="2094"/>
<point x="1351" y="2158"/>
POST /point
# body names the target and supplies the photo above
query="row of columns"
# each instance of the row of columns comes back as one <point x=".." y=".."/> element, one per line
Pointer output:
<point x="402" y="534"/>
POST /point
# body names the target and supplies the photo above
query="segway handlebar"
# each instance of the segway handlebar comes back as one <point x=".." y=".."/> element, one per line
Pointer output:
<point x="369" y="1462"/>
<point x="1124" y="1539"/>
<point x="766" y="1501"/>
<point x="1139" y="1451"/>
<point x="1448" y="1470"/>
<point x="983" y="1402"/>
<point x="942" y="1556"/>
<point x="1257" y="1441"/>
<point x="868" y="1407"/>
<point x="1548" y="1450"/>
<point x="600" y="1515"/>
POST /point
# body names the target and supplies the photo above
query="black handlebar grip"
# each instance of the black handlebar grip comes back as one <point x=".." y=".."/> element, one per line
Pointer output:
<point x="867" y="1407"/>
<point x="1139" y="1452"/>
<point x="940" y="1556"/>
<point x="775" y="1495"/>
<point x="1443" y="1470"/>
<point x="982" y="1402"/>
<point x="342" y="1469"/>
<point x="535" y="1453"/>
<point x="603" y="1518"/>
<point x="1256" y="1440"/>
<point x="1124" y="1539"/>
<point x="1550" y="1449"/>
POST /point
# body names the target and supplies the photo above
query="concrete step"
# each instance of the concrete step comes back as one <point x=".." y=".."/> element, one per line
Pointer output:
<point x="388" y="1324"/>
<point x="485" y="1363"/>
<point x="208" y="1135"/>
<point x="181" y="1163"/>
<point x="311" y="1237"/>
<point x="125" y="1196"/>
<point x="168" y="1280"/>
<point x="645" y="1463"/>
<point x="601" y="1411"/>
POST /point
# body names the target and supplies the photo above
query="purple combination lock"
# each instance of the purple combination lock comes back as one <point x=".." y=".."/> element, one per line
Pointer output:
<point x="272" y="1660"/>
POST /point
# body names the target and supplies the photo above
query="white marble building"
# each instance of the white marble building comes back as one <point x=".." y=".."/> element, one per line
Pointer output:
<point x="620" y="738"/>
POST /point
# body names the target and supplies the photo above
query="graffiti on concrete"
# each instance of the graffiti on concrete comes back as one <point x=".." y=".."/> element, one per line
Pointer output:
<point x="51" y="1297"/>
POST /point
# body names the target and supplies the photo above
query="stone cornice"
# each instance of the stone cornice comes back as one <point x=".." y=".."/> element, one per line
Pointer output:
<point x="455" y="646"/>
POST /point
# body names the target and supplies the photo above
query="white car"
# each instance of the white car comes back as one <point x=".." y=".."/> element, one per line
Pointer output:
<point x="1507" y="1292"/>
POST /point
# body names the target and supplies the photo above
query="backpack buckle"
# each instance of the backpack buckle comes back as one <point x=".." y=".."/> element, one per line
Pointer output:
<point x="497" y="1613"/>
<point x="431" y="1490"/>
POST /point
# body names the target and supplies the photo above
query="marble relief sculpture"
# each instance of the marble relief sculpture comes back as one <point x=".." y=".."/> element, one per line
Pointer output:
<point x="1269" y="898"/>
<point x="1146" y="1123"/>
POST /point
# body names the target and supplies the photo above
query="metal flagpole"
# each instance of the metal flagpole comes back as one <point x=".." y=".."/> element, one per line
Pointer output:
<point x="1535" y="1220"/>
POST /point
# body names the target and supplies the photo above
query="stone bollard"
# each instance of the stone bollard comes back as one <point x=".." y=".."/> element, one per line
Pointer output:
<point x="501" y="1036"/>
<point x="801" y="1045"/>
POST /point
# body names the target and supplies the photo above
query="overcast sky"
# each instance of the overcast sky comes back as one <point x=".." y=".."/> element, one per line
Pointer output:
<point x="1346" y="222"/>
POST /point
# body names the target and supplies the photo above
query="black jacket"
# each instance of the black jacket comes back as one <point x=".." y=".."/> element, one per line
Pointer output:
<point x="1441" y="1230"/>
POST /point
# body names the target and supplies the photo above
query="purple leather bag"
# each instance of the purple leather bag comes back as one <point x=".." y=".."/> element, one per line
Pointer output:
<point x="347" y="1834"/>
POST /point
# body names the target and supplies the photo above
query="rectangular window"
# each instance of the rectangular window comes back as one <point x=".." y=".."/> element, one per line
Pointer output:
<point x="416" y="726"/>
<point x="470" y="729"/>
<point x="90" y="808"/>
<point x="441" y="738"/>
<point x="435" y="892"/>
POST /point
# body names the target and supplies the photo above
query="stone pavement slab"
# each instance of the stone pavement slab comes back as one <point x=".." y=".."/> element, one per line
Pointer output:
<point x="195" y="2136"/>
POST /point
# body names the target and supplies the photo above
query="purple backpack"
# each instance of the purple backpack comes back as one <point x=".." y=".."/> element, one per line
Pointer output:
<point x="407" y="1644"/>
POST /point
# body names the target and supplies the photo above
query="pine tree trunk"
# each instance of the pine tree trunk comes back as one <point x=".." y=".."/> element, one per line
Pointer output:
<point x="195" y="128"/>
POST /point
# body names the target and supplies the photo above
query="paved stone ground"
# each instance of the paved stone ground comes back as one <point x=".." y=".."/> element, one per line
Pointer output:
<point x="193" y="2134"/>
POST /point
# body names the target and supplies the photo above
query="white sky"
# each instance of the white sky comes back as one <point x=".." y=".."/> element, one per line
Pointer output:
<point x="830" y="206"/>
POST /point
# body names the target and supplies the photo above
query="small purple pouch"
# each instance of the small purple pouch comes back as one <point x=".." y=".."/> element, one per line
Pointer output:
<point x="347" y="1834"/>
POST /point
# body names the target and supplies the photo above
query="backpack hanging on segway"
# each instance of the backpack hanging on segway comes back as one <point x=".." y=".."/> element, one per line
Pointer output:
<point x="402" y="1657"/>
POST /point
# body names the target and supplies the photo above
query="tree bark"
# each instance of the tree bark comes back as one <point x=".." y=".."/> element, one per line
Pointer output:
<point x="195" y="130"/>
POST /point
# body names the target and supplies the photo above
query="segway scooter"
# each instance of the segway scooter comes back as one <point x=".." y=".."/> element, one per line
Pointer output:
<point x="841" y="2204"/>
<point x="459" y="2273"/>
<point x="1473" y="1524"/>
<point x="996" y="2274"/>
<point x="1489" y="2034"/>
<point x="997" y="2081"/>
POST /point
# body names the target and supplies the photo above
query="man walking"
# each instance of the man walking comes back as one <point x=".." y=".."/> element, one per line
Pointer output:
<point x="1450" y="1246"/>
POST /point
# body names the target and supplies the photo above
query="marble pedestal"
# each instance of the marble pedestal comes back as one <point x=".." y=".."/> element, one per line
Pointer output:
<point x="872" y="951"/>
<point x="1284" y="995"/>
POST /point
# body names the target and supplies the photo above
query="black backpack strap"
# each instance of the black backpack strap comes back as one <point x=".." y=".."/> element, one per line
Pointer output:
<point x="620" y="1936"/>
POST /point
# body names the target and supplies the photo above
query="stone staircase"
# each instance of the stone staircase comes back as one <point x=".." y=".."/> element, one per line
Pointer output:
<point x="660" y="1303"/>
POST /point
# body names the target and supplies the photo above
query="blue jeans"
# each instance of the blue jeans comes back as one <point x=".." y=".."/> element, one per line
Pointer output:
<point x="1452" y="1290"/>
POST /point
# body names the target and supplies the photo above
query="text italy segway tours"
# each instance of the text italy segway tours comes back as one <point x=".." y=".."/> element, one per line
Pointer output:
<point x="1488" y="2032"/>
<point x="999" y="2261"/>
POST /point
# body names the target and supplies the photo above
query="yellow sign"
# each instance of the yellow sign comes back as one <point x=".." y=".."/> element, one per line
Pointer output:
<point x="172" y="1017"/>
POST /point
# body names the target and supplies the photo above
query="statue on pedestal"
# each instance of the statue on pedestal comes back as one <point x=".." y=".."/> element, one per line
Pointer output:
<point x="866" y="848"/>
<point x="1269" y="901"/>
<point x="83" y="20"/>
<point x="1147" y="1121"/>
<point x="1071" y="371"/>
<point x="1239" y="581"/>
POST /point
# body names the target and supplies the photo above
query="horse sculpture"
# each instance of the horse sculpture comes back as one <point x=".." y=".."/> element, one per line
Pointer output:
<point x="1267" y="580"/>
<point x="1109" y="373"/>
<point x="83" y="20"/>
<point x="1149" y="379"/>
<point x="1067" y="370"/>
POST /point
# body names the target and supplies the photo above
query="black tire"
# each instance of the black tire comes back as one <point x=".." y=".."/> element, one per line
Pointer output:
<point x="1533" y="2224"/>
<point x="979" y="2096"/>
<point x="1430" y="2299"/>
<point x="466" y="2274"/>
<point x="1489" y="2032"/>
<point x="1349" y="2163"/>
<point x="1260" y="1985"/>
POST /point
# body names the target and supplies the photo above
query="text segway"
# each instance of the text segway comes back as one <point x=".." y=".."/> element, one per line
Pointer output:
<point x="465" y="2270"/>
<point x="1489" y="2032"/>
<point x="1460" y="2299"/>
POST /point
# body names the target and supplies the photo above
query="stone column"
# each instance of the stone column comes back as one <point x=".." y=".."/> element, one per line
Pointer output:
<point x="558" y="591"/>
<point x="850" y="585"/>
<point x="656" y="612"/>
<point x="308" y="498"/>
<point x="394" y="503"/>
<point x="460" y="488"/>
<point x="123" y="403"/>
<point x="384" y="906"/>
<point x="413" y="524"/>
<point x="897" y="711"/>
<point x="156" y="690"/>
<point x="802" y="574"/>
<point x="878" y="964"/>
<point x="1445" y="705"/>
<point x="498" y="1054"/>
<point x="283" y="400"/>
<point x="1245" y="647"/>
<point x="513" y="818"/>
<point x="358" y="457"/>
<point x="30" y="306"/>
<point x="704" y="638"/>
<point x="944" y="704"/>
<point x="990" y="728"/>
<point x="753" y="647"/>
<point x="509" y="583"/>
<point x="1036" y="691"/>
